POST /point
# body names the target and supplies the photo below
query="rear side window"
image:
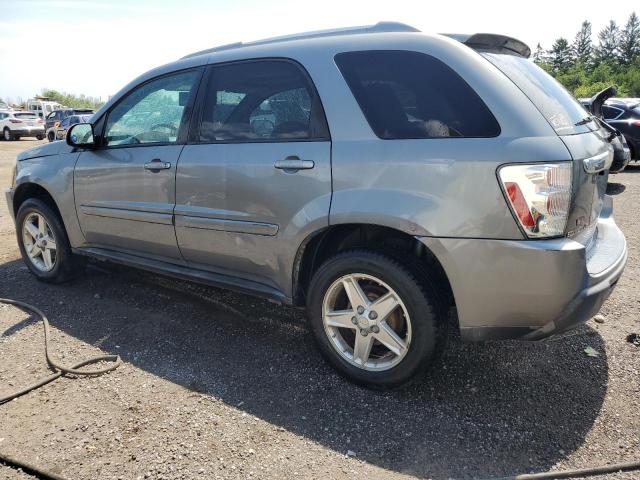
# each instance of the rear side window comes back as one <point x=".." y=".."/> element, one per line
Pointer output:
<point x="407" y="95"/>
<point x="261" y="100"/>
<point x="611" y="113"/>
<point x="557" y="105"/>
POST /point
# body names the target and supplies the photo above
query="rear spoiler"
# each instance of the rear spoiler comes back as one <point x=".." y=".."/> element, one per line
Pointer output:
<point x="492" y="42"/>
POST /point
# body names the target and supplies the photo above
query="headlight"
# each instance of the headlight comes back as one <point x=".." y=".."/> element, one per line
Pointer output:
<point x="539" y="195"/>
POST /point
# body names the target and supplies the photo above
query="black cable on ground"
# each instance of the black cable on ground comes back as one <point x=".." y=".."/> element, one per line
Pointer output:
<point x="582" y="472"/>
<point x="61" y="370"/>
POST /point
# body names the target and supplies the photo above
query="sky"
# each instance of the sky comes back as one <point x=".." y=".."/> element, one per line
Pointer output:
<point x="95" y="47"/>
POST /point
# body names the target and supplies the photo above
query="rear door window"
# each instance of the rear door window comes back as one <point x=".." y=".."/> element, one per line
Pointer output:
<point x="261" y="100"/>
<point x="407" y="95"/>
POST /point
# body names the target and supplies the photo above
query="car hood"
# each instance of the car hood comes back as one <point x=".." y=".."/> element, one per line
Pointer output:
<point x="45" y="150"/>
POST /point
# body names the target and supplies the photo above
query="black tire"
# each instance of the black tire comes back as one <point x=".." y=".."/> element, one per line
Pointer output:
<point x="7" y="135"/>
<point x="51" y="136"/>
<point x="416" y="293"/>
<point x="40" y="137"/>
<point x="66" y="265"/>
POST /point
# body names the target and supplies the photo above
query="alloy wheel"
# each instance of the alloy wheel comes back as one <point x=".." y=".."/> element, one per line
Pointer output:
<point x="39" y="242"/>
<point x="366" y="322"/>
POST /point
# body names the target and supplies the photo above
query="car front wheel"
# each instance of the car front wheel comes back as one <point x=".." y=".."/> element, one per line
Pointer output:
<point x="44" y="244"/>
<point x="6" y="134"/>
<point x="374" y="319"/>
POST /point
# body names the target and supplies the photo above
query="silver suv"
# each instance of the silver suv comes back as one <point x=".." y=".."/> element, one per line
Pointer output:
<point x="390" y="182"/>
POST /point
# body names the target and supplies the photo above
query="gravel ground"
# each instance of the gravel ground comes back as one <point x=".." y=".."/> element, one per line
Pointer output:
<point x="220" y="385"/>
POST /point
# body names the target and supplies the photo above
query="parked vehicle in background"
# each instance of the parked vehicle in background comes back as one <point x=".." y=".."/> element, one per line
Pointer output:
<point x="624" y="115"/>
<point x="16" y="124"/>
<point x="392" y="182"/>
<point x="42" y="106"/>
<point x="597" y="107"/>
<point x="60" y="115"/>
<point x="59" y="129"/>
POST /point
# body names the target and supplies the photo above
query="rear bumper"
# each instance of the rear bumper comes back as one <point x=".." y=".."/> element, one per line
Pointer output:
<point x="28" y="132"/>
<point x="531" y="289"/>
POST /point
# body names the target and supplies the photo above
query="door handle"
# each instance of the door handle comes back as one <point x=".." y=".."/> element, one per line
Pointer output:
<point x="293" y="163"/>
<point x="156" y="165"/>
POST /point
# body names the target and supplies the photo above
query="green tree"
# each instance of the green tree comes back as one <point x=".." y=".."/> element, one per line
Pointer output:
<point x="560" y="56"/>
<point x="608" y="47"/>
<point x="630" y="40"/>
<point x="582" y="45"/>
<point x="539" y="55"/>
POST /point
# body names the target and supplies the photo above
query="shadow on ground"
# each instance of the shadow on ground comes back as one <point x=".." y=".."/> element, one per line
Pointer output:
<point x="488" y="409"/>
<point x="615" y="188"/>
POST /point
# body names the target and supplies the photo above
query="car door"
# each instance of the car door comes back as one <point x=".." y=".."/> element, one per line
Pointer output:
<point x="255" y="177"/>
<point x="125" y="189"/>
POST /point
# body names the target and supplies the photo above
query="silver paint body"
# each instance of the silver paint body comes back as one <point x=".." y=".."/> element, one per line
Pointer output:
<point x="225" y="209"/>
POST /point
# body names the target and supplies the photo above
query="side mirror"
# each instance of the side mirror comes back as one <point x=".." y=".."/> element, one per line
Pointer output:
<point x="81" y="135"/>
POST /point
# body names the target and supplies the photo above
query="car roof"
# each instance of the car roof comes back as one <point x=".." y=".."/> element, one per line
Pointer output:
<point x="484" y="41"/>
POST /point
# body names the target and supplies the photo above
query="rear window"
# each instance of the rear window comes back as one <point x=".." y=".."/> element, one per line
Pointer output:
<point x="25" y="115"/>
<point x="406" y="95"/>
<point x="556" y="104"/>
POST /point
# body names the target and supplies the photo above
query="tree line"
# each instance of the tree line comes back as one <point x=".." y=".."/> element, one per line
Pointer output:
<point x="71" y="100"/>
<point x="585" y="67"/>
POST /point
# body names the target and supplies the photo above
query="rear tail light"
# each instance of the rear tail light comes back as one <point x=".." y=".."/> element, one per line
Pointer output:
<point x="13" y="120"/>
<point x="636" y="123"/>
<point x="40" y="120"/>
<point x="539" y="196"/>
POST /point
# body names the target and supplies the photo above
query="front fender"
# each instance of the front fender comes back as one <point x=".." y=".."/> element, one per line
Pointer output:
<point x="55" y="175"/>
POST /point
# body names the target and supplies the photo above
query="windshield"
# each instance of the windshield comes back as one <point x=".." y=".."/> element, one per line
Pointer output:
<point x="565" y="114"/>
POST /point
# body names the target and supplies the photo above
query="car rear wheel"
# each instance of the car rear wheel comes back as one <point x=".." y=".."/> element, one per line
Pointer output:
<point x="373" y="318"/>
<point x="44" y="244"/>
<point x="51" y="136"/>
<point x="40" y="137"/>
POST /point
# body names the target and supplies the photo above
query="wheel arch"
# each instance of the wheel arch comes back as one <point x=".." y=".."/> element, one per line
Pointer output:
<point x="322" y="244"/>
<point x="29" y="190"/>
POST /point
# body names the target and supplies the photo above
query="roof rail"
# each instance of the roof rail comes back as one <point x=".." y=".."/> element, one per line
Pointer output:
<point x="379" y="27"/>
<point x="491" y="41"/>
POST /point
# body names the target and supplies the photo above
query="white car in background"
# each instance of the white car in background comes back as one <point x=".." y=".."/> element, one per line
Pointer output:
<point x="14" y="125"/>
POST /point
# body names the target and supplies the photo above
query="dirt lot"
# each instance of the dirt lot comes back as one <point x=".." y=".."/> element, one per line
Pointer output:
<point x="219" y="385"/>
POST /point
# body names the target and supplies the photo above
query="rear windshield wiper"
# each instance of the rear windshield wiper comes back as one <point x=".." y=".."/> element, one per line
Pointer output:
<point x="584" y="121"/>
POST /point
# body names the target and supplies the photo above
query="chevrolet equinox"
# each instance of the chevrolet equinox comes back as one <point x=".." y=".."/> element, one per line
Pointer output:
<point x="391" y="182"/>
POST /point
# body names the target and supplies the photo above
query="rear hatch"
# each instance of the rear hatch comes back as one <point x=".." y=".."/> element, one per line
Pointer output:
<point x="580" y="132"/>
<point x="30" y="119"/>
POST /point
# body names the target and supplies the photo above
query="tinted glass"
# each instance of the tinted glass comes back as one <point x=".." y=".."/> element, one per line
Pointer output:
<point x="25" y="115"/>
<point x="269" y="100"/>
<point x="66" y="122"/>
<point x="556" y="104"/>
<point x="610" y="113"/>
<point x="152" y="113"/>
<point x="412" y="95"/>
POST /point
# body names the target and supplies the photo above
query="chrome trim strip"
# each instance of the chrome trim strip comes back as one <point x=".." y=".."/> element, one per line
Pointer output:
<point x="221" y="224"/>
<point x="134" y="215"/>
